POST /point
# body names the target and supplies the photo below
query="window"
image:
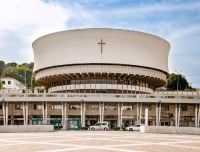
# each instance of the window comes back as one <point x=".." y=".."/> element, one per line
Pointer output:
<point x="3" y="82"/>
<point x="184" y="107"/>
<point x="110" y="107"/>
<point x="165" y="108"/>
<point x="18" y="106"/>
<point x="127" y="107"/>
<point x="56" y="106"/>
<point x="38" y="106"/>
<point x="9" y="82"/>
<point x="74" y="106"/>
<point x="93" y="106"/>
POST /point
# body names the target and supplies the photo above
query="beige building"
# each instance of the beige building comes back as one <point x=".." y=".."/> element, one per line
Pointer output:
<point x="11" y="84"/>
<point x="101" y="75"/>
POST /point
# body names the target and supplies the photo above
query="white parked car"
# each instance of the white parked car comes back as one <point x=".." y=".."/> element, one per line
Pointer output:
<point x="133" y="128"/>
<point x="99" y="126"/>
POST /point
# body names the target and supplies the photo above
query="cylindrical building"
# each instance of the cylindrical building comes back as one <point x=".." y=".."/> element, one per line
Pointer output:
<point x="101" y="61"/>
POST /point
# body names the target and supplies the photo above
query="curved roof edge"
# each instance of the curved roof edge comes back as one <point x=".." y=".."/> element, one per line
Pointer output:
<point x="102" y="29"/>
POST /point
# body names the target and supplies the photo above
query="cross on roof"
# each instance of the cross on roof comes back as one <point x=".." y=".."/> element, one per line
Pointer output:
<point x="101" y="43"/>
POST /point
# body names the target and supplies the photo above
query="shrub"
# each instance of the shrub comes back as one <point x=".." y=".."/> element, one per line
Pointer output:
<point x="116" y="128"/>
<point x="84" y="128"/>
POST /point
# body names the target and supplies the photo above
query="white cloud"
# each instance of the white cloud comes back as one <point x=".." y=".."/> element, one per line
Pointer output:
<point x="22" y="21"/>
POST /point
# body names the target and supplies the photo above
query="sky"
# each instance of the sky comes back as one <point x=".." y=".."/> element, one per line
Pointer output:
<point x="177" y="21"/>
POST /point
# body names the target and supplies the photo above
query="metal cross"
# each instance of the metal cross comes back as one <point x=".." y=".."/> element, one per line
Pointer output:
<point x="101" y="43"/>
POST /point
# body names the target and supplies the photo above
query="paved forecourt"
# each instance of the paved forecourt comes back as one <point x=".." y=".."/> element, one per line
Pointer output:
<point x="98" y="141"/>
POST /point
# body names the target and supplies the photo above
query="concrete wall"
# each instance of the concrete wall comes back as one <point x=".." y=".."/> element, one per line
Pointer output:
<point x="170" y="130"/>
<point x="133" y="48"/>
<point x="26" y="128"/>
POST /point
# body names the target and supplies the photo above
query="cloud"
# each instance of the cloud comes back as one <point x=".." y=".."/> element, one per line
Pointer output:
<point x="23" y="21"/>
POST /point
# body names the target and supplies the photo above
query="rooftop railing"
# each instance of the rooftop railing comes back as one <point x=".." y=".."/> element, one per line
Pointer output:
<point x="88" y="95"/>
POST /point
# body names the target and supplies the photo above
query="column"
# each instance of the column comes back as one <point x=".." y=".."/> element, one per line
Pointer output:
<point x="43" y="113"/>
<point x="157" y="115"/>
<point x="138" y="112"/>
<point x="100" y="116"/>
<point x="121" y="120"/>
<point x="26" y="111"/>
<point x="176" y="115"/>
<point x="24" y="115"/>
<point x="102" y="112"/>
<point x="118" y="116"/>
<point x="62" y="111"/>
<point x="4" y="114"/>
<point x="196" y="115"/>
<point x="46" y="112"/>
<point x="146" y="116"/>
<point x="65" y="115"/>
<point x="84" y="114"/>
<point x="81" y="113"/>
<point x="179" y="114"/>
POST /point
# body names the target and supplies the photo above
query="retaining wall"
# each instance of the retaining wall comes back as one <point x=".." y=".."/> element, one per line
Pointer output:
<point x="170" y="130"/>
<point x="26" y="128"/>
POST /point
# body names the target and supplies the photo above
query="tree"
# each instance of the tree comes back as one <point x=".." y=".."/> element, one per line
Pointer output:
<point x="2" y="64"/>
<point x="1" y="85"/>
<point x="177" y="82"/>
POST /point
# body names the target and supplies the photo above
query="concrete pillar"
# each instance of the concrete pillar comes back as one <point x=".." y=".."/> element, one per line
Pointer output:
<point x="43" y="113"/>
<point x="121" y="114"/>
<point x="146" y="116"/>
<point x="118" y="115"/>
<point x="62" y="111"/>
<point x="198" y="120"/>
<point x="100" y="115"/>
<point x="6" y="113"/>
<point x="24" y="113"/>
<point x="176" y="115"/>
<point x="83" y="113"/>
<point x="157" y="115"/>
<point x="46" y="112"/>
<point x="138" y="112"/>
<point x="140" y="117"/>
<point x="65" y="115"/>
<point x="179" y="114"/>
<point x="196" y="115"/>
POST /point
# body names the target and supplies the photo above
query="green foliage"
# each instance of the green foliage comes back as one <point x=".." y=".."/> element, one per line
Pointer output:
<point x="2" y="64"/>
<point x="177" y="82"/>
<point x="21" y="72"/>
<point x="1" y="84"/>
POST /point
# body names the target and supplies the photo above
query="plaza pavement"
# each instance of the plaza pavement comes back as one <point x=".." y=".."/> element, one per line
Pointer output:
<point x="98" y="141"/>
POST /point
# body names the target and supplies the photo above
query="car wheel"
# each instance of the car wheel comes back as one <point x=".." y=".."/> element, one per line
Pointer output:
<point x="92" y="128"/>
<point x="130" y="129"/>
<point x="105" y="129"/>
